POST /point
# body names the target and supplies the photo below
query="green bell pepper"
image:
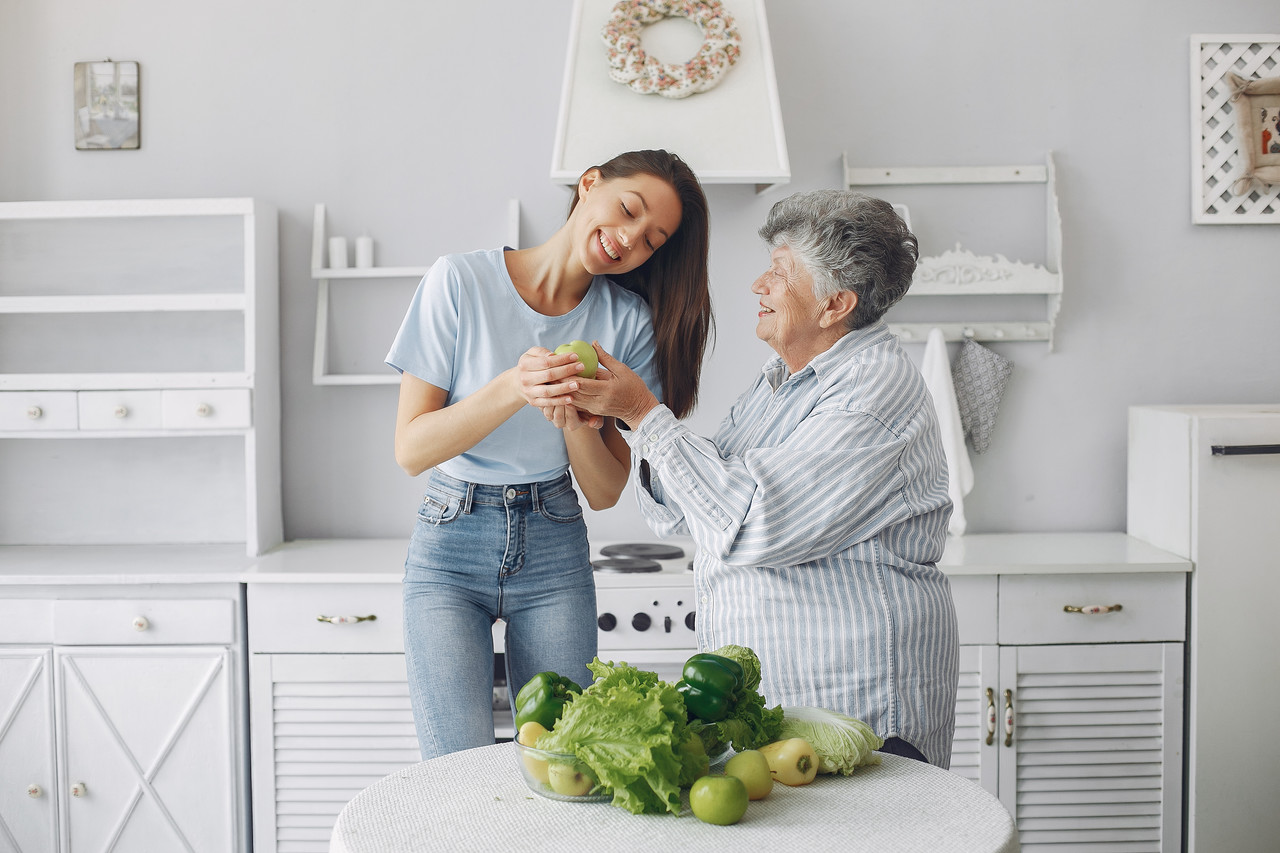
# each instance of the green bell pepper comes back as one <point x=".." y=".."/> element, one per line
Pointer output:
<point x="711" y="686"/>
<point x="543" y="698"/>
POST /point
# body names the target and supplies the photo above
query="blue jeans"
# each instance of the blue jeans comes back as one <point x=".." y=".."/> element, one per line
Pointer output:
<point x="480" y="553"/>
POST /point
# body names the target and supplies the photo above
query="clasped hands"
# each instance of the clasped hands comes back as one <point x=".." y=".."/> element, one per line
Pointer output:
<point x="551" y="382"/>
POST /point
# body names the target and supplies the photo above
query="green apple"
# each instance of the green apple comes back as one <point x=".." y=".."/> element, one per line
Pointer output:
<point x="586" y="355"/>
<point x="721" y="800"/>
<point x="752" y="767"/>
<point x="568" y="780"/>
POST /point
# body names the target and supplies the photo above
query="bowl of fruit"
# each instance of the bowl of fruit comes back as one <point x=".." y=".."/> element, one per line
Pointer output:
<point x="558" y="776"/>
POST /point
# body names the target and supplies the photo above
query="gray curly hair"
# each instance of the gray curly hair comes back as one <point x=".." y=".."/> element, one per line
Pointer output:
<point x="847" y="241"/>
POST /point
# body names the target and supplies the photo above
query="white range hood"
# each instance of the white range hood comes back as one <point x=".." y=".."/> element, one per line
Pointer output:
<point x="729" y="134"/>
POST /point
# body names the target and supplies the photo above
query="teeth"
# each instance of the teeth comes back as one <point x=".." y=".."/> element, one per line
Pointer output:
<point x="608" y="250"/>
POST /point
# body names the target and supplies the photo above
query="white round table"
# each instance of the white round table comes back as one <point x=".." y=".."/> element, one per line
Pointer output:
<point x="477" y="800"/>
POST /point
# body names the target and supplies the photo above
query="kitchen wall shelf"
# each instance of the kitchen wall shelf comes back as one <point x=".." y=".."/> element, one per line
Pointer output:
<point x="138" y="320"/>
<point x="320" y="372"/>
<point x="962" y="273"/>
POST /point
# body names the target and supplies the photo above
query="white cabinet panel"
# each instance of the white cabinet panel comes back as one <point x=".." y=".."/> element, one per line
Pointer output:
<point x="21" y="411"/>
<point x="360" y="617"/>
<point x="324" y="728"/>
<point x="206" y="409"/>
<point x="28" y="782"/>
<point x="143" y="622"/>
<point x="1152" y="608"/>
<point x="120" y="410"/>
<point x="147" y="744"/>
<point x="25" y="621"/>
<point x="1095" y="755"/>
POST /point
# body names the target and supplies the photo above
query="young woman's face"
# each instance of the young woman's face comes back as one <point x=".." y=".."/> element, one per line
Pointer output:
<point x="622" y="222"/>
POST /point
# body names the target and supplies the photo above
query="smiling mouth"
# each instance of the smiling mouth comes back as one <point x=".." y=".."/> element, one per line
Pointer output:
<point x="608" y="247"/>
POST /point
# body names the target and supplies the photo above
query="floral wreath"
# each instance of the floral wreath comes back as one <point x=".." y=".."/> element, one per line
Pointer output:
<point x="629" y="64"/>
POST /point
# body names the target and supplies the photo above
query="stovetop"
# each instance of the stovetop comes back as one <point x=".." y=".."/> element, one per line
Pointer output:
<point x="651" y="563"/>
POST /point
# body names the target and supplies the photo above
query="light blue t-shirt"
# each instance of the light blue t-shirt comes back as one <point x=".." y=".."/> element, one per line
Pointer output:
<point x="466" y="324"/>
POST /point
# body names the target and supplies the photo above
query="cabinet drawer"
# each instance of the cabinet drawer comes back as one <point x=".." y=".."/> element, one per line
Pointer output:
<point x="284" y="617"/>
<point x="36" y="410"/>
<point x="26" y="621"/>
<point x="145" y="622"/>
<point x="975" y="600"/>
<point x="225" y="408"/>
<point x="119" y="410"/>
<point x="1153" y="608"/>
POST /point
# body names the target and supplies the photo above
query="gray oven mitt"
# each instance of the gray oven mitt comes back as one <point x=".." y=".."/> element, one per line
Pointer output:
<point x="980" y="376"/>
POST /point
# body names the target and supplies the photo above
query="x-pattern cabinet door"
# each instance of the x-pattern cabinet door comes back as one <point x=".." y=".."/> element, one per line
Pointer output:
<point x="28" y="789"/>
<point x="145" y="748"/>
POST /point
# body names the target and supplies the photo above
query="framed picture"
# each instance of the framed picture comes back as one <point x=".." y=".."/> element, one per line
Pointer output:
<point x="1233" y="181"/>
<point x="1256" y="103"/>
<point x="107" y="106"/>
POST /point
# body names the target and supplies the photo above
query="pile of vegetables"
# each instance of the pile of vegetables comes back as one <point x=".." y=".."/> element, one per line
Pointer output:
<point x="645" y="739"/>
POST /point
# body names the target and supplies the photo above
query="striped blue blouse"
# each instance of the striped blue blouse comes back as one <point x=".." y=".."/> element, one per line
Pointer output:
<point x="819" y="512"/>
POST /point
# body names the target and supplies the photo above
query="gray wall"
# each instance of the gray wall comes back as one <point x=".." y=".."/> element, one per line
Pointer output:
<point x="415" y="122"/>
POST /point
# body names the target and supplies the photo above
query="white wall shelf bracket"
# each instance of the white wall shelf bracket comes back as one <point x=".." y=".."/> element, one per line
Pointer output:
<point x="320" y="374"/>
<point x="959" y="272"/>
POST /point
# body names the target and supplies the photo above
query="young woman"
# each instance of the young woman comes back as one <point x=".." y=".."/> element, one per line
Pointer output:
<point x="500" y="533"/>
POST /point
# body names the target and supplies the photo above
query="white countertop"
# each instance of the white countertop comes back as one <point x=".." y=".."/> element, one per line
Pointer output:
<point x="382" y="560"/>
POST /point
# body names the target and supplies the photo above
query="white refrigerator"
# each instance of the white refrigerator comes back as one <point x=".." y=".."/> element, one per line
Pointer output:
<point x="1204" y="483"/>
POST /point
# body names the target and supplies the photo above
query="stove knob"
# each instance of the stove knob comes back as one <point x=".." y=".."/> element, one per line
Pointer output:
<point x="689" y="620"/>
<point x="641" y="621"/>
<point x="607" y="621"/>
<point x="666" y="624"/>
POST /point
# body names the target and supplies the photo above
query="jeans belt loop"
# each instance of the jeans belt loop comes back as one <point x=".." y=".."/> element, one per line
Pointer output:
<point x="535" y="500"/>
<point x="466" y="501"/>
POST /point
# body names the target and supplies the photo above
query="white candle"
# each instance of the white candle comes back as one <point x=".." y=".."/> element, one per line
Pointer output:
<point x="337" y="253"/>
<point x="364" y="252"/>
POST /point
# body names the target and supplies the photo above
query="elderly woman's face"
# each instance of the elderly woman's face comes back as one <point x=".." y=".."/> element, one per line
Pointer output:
<point x="789" y="314"/>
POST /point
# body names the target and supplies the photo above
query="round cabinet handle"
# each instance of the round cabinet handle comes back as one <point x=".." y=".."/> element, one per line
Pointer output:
<point x="347" y="620"/>
<point x="140" y="623"/>
<point x="79" y="789"/>
<point x="121" y="411"/>
<point x="204" y="410"/>
<point x="35" y="792"/>
<point x="35" y="413"/>
<point x="1093" y="609"/>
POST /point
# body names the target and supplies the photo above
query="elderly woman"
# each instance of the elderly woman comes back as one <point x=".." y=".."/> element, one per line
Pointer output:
<point x="820" y="508"/>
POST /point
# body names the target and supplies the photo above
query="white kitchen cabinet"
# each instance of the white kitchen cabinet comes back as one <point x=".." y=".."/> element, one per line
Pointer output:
<point x="1074" y="719"/>
<point x="1204" y="483"/>
<point x="121" y="720"/>
<point x="144" y="336"/>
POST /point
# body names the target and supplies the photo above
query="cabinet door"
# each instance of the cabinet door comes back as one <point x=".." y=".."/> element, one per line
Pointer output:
<point x="1095" y="757"/>
<point x="146" y="749"/>
<point x="28" y="789"/>
<point x="974" y="749"/>
<point x="324" y="728"/>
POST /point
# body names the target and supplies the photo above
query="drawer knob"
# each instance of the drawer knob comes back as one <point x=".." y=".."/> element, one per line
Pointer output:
<point x="1093" y="609"/>
<point x="347" y="620"/>
<point x="140" y="623"/>
<point x="35" y="413"/>
<point x="121" y="411"/>
<point x="35" y="792"/>
<point x="79" y="789"/>
<point x="204" y="410"/>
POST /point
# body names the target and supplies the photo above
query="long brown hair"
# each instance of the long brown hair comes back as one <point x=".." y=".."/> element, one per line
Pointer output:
<point x="674" y="281"/>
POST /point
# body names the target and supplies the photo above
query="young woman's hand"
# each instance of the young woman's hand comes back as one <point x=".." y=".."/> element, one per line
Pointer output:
<point x="545" y="380"/>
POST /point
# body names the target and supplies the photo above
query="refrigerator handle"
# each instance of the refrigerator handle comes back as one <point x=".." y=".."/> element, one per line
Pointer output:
<point x="1245" y="449"/>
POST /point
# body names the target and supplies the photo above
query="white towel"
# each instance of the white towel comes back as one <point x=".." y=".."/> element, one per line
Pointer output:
<point x="936" y="369"/>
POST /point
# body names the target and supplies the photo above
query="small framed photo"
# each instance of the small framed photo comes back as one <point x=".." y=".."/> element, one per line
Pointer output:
<point x="1257" y="106"/>
<point x="107" y="106"/>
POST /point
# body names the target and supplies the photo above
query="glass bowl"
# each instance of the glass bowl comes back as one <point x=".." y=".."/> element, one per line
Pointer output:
<point x="558" y="776"/>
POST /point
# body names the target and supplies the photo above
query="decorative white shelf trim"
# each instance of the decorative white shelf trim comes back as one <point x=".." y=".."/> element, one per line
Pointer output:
<point x="115" y="381"/>
<point x="133" y="303"/>
<point x="959" y="272"/>
<point x="128" y="208"/>
<point x="320" y="374"/>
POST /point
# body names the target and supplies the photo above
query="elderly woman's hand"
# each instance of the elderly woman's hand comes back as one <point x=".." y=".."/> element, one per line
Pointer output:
<point x="616" y="392"/>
